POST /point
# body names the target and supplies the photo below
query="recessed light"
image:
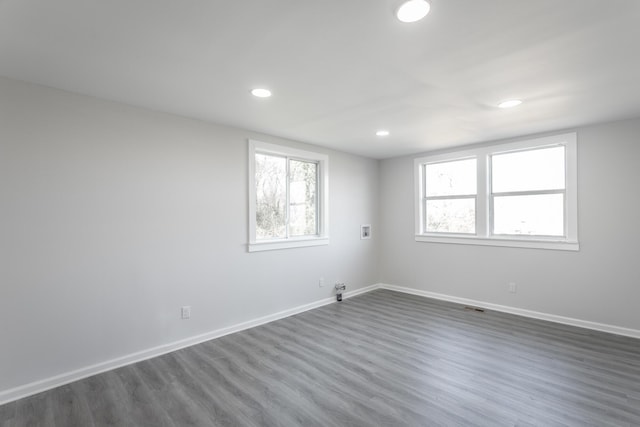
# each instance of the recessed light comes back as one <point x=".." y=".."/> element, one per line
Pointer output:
<point x="510" y="103"/>
<point x="382" y="133"/>
<point x="261" y="93"/>
<point x="413" y="10"/>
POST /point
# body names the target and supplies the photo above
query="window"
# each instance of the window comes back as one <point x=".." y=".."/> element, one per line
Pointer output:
<point x="521" y="194"/>
<point x="287" y="197"/>
<point x="450" y="197"/>
<point x="528" y="192"/>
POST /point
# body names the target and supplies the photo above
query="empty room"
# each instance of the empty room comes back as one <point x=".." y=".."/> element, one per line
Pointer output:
<point x="330" y="213"/>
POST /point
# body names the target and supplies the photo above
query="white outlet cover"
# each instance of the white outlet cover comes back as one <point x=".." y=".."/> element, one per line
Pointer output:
<point x="365" y="231"/>
<point x="185" y="312"/>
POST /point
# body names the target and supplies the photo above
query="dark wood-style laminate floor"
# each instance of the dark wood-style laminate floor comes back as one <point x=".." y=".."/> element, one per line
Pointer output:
<point x="379" y="359"/>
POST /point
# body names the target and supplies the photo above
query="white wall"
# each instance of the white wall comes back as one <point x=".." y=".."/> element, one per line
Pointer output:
<point x="600" y="283"/>
<point x="113" y="217"/>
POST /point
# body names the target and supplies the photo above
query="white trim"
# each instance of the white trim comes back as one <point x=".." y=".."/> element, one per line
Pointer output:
<point x="269" y="245"/>
<point x="265" y="147"/>
<point x="323" y="197"/>
<point x="35" y="387"/>
<point x="612" y="329"/>
<point x="571" y="184"/>
<point x="560" y="245"/>
<point x="32" y="388"/>
<point x="483" y="235"/>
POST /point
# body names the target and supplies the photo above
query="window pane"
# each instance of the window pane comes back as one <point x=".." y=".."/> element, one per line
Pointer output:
<point x="455" y="178"/>
<point x="541" y="215"/>
<point x="303" y="187"/>
<point x="532" y="170"/>
<point x="451" y="216"/>
<point x="271" y="196"/>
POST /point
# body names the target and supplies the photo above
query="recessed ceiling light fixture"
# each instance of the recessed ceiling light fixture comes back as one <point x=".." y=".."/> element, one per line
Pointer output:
<point x="261" y="93"/>
<point x="413" y="10"/>
<point x="382" y="133"/>
<point x="510" y="103"/>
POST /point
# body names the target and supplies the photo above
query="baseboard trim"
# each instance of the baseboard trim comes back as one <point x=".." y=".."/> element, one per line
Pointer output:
<point x="35" y="387"/>
<point x="612" y="329"/>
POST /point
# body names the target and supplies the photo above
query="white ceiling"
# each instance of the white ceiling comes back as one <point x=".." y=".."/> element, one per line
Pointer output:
<point x="340" y="69"/>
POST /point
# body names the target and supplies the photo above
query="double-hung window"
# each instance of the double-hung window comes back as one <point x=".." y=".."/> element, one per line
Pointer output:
<point x="528" y="191"/>
<point x="521" y="194"/>
<point x="287" y="197"/>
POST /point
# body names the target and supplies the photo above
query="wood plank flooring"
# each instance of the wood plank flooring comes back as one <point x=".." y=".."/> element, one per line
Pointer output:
<point x="379" y="359"/>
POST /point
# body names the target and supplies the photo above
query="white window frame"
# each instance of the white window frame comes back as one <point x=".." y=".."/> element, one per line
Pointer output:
<point x="483" y="235"/>
<point x="322" y="238"/>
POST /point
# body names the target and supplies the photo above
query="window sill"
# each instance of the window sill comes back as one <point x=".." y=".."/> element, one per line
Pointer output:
<point x="559" y="245"/>
<point x="272" y="245"/>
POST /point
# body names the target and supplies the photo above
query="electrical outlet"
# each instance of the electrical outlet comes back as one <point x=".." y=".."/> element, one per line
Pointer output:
<point x="185" y="312"/>
<point x="512" y="287"/>
<point x="321" y="282"/>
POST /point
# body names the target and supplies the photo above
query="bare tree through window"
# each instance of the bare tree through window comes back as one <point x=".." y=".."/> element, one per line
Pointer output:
<point x="286" y="197"/>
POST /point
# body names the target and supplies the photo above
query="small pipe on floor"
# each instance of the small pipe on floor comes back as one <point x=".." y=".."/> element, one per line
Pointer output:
<point x="340" y="288"/>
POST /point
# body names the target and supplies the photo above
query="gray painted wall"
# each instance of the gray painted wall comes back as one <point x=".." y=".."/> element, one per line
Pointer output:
<point x="600" y="283"/>
<point x="113" y="217"/>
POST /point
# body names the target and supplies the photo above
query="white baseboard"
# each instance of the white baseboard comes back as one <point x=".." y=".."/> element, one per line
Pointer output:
<point x="35" y="387"/>
<point x="612" y="329"/>
<point x="16" y="393"/>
